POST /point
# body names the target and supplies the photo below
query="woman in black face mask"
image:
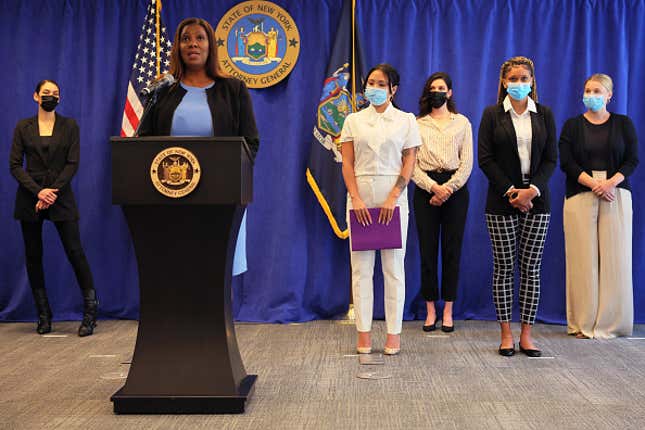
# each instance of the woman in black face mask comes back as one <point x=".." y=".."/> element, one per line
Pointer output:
<point x="50" y="144"/>
<point x="443" y="166"/>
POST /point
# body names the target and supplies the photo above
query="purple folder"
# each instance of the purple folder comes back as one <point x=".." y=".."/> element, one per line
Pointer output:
<point x="375" y="235"/>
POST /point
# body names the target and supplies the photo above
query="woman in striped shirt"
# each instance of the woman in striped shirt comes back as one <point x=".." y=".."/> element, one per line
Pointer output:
<point x="443" y="166"/>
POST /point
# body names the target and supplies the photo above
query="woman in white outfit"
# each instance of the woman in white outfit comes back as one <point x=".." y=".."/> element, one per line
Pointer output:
<point x="379" y="146"/>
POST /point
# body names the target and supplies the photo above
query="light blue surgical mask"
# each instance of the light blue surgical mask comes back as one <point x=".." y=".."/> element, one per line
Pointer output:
<point x="595" y="103"/>
<point x="376" y="96"/>
<point x="518" y="90"/>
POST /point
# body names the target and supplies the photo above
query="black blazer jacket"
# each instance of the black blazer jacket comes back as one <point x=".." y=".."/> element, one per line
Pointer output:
<point x="52" y="168"/>
<point x="230" y="105"/>
<point x="623" y="151"/>
<point x="500" y="160"/>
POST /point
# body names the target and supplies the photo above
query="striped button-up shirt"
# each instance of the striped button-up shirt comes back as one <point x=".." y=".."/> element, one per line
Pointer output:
<point x="447" y="146"/>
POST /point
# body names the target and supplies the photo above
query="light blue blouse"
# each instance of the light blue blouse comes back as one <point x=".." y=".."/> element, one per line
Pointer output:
<point x="193" y="118"/>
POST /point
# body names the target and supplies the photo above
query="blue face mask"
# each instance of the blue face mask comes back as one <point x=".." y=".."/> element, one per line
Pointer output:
<point x="376" y="96"/>
<point x="518" y="90"/>
<point x="595" y="103"/>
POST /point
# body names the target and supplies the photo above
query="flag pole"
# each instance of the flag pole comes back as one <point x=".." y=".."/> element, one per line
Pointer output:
<point x="354" y="55"/>
<point x="158" y="35"/>
<point x="350" y="315"/>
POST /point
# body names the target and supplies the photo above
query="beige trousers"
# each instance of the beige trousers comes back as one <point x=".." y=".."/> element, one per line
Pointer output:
<point x="598" y="244"/>
<point x="374" y="191"/>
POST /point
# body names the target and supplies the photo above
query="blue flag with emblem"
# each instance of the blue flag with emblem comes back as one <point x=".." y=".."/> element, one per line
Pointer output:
<point x="341" y="95"/>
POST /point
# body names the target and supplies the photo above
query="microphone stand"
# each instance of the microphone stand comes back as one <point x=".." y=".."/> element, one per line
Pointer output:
<point x="151" y="101"/>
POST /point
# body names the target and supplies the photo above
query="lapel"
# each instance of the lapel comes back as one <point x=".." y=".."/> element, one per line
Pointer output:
<point x="56" y="139"/>
<point x="221" y="110"/>
<point x="580" y="140"/>
<point x="507" y="124"/>
<point x="615" y="137"/>
<point x="33" y="135"/>
<point x="536" y="139"/>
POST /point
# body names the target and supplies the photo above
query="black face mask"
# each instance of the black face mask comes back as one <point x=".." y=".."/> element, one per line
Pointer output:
<point x="437" y="98"/>
<point x="48" y="103"/>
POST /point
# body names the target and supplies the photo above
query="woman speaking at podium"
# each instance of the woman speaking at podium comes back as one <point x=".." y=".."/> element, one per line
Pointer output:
<point x="50" y="144"/>
<point x="203" y="101"/>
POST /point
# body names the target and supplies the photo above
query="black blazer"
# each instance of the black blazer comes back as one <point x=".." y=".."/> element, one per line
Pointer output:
<point x="500" y="160"/>
<point x="230" y="105"/>
<point x="623" y="151"/>
<point x="54" y="168"/>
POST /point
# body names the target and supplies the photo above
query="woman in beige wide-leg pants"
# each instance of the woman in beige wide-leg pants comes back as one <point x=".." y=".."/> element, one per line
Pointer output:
<point x="598" y="243"/>
<point x="598" y="152"/>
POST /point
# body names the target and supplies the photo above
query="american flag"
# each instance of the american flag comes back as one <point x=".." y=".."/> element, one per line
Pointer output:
<point x="147" y="65"/>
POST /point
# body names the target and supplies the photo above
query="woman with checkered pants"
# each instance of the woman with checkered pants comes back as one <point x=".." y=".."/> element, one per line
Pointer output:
<point x="517" y="153"/>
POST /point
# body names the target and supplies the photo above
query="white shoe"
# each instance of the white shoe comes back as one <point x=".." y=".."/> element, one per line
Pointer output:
<point x="391" y="351"/>
<point x="364" y="349"/>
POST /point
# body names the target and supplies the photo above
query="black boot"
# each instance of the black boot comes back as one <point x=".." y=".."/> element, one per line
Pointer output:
<point x="44" y="311"/>
<point x="89" y="313"/>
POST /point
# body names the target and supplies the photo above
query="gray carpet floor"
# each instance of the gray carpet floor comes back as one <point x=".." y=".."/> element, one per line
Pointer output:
<point x="307" y="379"/>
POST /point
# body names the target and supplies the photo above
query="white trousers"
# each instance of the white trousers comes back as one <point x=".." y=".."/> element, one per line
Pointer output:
<point x="598" y="244"/>
<point x="374" y="190"/>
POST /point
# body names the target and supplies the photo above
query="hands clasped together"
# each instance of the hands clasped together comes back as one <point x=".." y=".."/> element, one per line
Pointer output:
<point x="46" y="198"/>
<point x="522" y="198"/>
<point x="604" y="189"/>
<point x="441" y="194"/>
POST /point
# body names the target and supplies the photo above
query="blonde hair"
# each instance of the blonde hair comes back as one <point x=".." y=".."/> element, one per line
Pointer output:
<point x="506" y="66"/>
<point x="602" y="79"/>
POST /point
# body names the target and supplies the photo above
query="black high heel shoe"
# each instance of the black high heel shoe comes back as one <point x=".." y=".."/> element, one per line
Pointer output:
<point x="448" y="328"/>
<point x="431" y="327"/>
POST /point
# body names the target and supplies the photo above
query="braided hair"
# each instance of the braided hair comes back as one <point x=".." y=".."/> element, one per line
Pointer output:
<point x="506" y="67"/>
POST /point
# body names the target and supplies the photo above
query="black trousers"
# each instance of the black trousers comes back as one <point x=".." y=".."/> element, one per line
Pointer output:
<point x="445" y="222"/>
<point x="32" y="233"/>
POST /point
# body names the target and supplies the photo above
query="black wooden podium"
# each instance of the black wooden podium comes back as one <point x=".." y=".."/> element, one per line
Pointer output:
<point x="186" y="359"/>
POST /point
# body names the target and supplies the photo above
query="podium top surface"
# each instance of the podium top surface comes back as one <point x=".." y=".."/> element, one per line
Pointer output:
<point x="184" y="140"/>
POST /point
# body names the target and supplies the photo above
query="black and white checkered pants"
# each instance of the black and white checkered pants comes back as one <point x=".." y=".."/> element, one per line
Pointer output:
<point x="522" y="236"/>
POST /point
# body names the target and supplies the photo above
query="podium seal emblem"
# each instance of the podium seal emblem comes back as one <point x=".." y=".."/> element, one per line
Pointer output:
<point x="257" y="42"/>
<point x="175" y="172"/>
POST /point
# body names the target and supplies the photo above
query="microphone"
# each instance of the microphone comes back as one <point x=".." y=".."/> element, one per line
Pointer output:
<point x="164" y="81"/>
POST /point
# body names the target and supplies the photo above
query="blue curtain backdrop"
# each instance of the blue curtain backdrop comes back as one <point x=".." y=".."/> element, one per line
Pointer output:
<point x="298" y="269"/>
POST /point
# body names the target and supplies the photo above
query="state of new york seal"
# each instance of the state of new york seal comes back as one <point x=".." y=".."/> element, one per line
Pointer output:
<point x="175" y="172"/>
<point x="257" y="42"/>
